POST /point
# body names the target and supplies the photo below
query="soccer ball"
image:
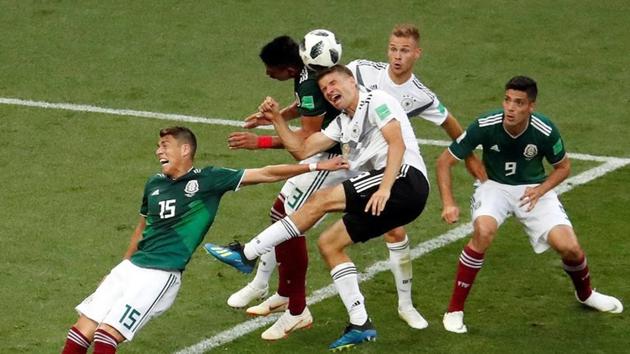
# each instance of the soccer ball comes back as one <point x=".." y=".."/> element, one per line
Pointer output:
<point x="320" y="49"/>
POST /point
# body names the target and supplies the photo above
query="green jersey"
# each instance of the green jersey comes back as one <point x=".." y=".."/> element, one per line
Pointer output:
<point x="511" y="159"/>
<point x="179" y="213"/>
<point x="311" y="101"/>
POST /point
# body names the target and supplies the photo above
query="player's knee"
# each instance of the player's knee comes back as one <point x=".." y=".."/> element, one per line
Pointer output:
<point x="112" y="331"/>
<point x="563" y="240"/>
<point x="86" y="326"/>
<point x="326" y="245"/>
<point x="483" y="236"/>
<point x="396" y="235"/>
<point x="571" y="251"/>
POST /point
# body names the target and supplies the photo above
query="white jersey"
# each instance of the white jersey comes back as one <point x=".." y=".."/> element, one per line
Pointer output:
<point x="415" y="98"/>
<point x="362" y="133"/>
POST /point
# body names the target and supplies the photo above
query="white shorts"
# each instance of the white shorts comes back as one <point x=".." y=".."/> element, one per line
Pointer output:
<point x="130" y="296"/>
<point x="502" y="200"/>
<point x="296" y="190"/>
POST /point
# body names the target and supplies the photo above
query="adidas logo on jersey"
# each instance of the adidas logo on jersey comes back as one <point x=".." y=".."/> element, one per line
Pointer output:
<point x="495" y="147"/>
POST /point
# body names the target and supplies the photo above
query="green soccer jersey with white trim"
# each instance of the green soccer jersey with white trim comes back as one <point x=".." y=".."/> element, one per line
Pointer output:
<point x="179" y="213"/>
<point x="508" y="159"/>
<point x="311" y="101"/>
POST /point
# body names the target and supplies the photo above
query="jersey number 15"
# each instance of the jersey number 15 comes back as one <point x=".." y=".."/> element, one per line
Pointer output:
<point x="167" y="208"/>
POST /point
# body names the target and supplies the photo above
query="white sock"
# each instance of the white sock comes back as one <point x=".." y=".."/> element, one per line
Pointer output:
<point x="400" y="265"/>
<point x="273" y="235"/>
<point x="346" y="281"/>
<point x="266" y="265"/>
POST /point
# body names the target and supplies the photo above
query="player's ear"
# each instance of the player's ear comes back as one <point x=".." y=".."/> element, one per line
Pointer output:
<point x="186" y="150"/>
<point x="532" y="106"/>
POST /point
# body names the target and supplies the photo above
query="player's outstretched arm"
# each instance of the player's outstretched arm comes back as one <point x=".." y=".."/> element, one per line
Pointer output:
<point x="258" y="119"/>
<point x="252" y="141"/>
<point x="293" y="142"/>
<point x="450" y="210"/>
<point x="135" y="238"/>
<point x="276" y="173"/>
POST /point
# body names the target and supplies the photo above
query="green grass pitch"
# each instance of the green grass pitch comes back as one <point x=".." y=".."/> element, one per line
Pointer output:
<point x="72" y="181"/>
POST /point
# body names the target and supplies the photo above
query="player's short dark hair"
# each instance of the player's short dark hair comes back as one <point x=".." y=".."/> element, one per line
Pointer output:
<point x="525" y="84"/>
<point x="182" y="134"/>
<point x="339" y="68"/>
<point x="282" y="51"/>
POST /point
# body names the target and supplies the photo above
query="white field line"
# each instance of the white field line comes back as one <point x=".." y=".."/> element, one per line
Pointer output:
<point x="197" y="119"/>
<point x="609" y="164"/>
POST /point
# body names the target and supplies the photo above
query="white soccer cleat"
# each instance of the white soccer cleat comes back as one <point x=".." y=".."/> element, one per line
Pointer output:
<point x="413" y="318"/>
<point x="603" y="302"/>
<point x="288" y="323"/>
<point x="274" y="303"/>
<point x="246" y="295"/>
<point x="454" y="322"/>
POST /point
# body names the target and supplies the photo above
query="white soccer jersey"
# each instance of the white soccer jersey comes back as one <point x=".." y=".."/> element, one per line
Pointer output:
<point x="416" y="99"/>
<point x="362" y="133"/>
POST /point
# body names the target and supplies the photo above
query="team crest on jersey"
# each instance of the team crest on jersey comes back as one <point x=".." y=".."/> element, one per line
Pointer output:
<point x="355" y="131"/>
<point x="407" y="103"/>
<point x="530" y="151"/>
<point x="191" y="188"/>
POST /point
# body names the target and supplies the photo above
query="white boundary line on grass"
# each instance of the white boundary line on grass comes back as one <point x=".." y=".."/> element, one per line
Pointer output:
<point x="196" y="119"/>
<point x="609" y="164"/>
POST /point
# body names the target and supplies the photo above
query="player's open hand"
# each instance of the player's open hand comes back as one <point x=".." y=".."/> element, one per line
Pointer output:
<point x="377" y="202"/>
<point x="255" y="120"/>
<point x="243" y="140"/>
<point x="530" y="197"/>
<point x="334" y="164"/>
<point x="450" y="214"/>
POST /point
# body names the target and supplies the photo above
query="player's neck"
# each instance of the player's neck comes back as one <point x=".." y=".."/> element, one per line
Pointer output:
<point x="517" y="130"/>
<point x="399" y="78"/>
<point x="181" y="171"/>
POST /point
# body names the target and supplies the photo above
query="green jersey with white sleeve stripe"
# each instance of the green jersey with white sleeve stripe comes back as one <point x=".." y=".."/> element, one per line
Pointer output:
<point x="508" y="159"/>
<point x="179" y="213"/>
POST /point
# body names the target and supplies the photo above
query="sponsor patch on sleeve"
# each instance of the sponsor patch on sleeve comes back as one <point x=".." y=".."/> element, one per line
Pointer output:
<point x="383" y="111"/>
<point x="441" y="108"/>
<point x="557" y="147"/>
<point x="307" y="102"/>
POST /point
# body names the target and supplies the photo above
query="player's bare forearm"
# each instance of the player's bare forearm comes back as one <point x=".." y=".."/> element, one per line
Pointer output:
<point x="135" y="238"/>
<point x="274" y="173"/>
<point x="560" y="172"/>
<point x="452" y="127"/>
<point x="450" y="210"/>
<point x="252" y="141"/>
<point x="258" y="118"/>
<point x="473" y="164"/>
<point x="290" y="112"/>
<point x="475" y="167"/>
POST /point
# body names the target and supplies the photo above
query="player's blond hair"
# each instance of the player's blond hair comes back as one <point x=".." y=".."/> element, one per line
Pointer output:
<point x="406" y="30"/>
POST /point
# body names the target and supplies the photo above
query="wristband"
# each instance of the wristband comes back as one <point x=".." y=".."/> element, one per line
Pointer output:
<point x="312" y="166"/>
<point x="264" y="141"/>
